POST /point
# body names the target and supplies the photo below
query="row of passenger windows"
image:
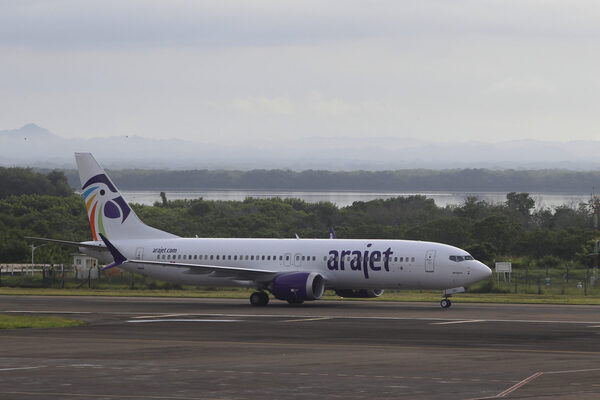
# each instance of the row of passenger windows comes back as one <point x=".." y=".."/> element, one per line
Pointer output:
<point x="263" y="258"/>
<point x="227" y="257"/>
<point x="460" y="258"/>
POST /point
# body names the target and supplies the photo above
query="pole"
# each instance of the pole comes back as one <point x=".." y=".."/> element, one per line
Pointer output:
<point x="32" y="251"/>
<point x="595" y="275"/>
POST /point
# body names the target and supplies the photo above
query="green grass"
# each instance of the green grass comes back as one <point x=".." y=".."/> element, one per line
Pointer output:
<point x="29" y="321"/>
<point x="547" y="297"/>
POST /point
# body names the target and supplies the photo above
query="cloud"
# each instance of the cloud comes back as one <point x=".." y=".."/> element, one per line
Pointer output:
<point x="263" y="105"/>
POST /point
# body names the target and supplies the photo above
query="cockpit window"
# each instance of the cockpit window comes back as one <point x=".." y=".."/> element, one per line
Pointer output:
<point x="461" y="258"/>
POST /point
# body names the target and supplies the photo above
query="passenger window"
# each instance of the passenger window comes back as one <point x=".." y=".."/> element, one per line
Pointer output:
<point x="158" y="257"/>
<point x="401" y="259"/>
<point x="314" y="258"/>
<point x="268" y="258"/>
<point x="302" y="258"/>
<point x="287" y="258"/>
<point x="297" y="258"/>
<point x="395" y="259"/>
<point x="412" y="259"/>
<point x="211" y="256"/>
<point x="251" y="257"/>
<point x="263" y="257"/>
<point x="179" y="257"/>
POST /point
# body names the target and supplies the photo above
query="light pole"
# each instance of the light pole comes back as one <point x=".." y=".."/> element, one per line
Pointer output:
<point x="32" y="251"/>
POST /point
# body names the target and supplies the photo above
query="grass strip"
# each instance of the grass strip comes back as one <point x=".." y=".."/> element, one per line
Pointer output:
<point x="30" y="321"/>
<point x="400" y="296"/>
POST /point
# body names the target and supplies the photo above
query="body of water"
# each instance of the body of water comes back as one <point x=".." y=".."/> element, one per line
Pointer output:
<point x="346" y="198"/>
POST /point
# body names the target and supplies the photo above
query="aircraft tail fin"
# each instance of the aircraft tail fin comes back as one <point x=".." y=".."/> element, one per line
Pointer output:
<point x="108" y="212"/>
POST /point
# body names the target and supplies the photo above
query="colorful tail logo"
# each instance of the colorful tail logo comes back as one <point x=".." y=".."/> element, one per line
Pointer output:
<point x="103" y="200"/>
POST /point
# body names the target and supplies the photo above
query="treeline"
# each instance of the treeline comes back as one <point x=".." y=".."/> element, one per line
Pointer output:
<point x="510" y="230"/>
<point x="17" y="181"/>
<point x="460" y="180"/>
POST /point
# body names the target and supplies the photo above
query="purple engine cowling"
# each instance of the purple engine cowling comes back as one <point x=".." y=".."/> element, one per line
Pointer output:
<point x="298" y="286"/>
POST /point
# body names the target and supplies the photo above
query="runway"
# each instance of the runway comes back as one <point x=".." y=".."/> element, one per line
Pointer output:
<point x="165" y="348"/>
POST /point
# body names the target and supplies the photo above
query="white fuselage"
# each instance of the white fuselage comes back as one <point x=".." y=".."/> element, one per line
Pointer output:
<point x="344" y="263"/>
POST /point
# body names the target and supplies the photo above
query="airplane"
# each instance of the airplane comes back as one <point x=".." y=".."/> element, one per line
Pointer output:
<point x="292" y="270"/>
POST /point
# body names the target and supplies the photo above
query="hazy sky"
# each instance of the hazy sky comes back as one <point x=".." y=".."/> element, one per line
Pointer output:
<point x="231" y="71"/>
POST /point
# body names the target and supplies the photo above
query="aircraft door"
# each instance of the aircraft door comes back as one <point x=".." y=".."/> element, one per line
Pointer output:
<point x="139" y="253"/>
<point x="297" y="259"/>
<point x="430" y="261"/>
<point x="287" y="259"/>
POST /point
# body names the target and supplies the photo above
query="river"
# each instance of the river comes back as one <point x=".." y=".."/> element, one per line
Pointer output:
<point x="346" y="198"/>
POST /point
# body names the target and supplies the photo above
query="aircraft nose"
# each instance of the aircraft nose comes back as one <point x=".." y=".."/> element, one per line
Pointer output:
<point x="481" y="271"/>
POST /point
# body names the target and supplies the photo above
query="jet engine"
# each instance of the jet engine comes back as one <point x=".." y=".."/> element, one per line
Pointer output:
<point x="296" y="287"/>
<point x="359" y="293"/>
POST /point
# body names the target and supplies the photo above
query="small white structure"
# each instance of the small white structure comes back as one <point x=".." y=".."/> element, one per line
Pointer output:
<point x="503" y="267"/>
<point x="85" y="266"/>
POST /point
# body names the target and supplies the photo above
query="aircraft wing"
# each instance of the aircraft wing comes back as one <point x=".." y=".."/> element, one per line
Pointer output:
<point x="236" y="273"/>
<point x="216" y="271"/>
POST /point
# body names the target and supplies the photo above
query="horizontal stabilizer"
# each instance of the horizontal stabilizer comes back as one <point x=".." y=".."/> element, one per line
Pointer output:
<point x="88" y="245"/>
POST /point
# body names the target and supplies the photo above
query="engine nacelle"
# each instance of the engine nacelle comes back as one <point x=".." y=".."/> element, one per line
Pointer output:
<point x="298" y="286"/>
<point x="359" y="293"/>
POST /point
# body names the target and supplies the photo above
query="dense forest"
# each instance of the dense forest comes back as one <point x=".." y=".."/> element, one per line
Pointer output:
<point x="459" y="180"/>
<point x="512" y="230"/>
<point x="17" y="181"/>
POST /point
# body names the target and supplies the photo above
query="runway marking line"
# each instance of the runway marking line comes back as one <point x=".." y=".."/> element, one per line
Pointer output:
<point x="307" y="319"/>
<point x="520" y="384"/>
<point x="533" y="377"/>
<point x="160" y="316"/>
<point x="467" y="321"/>
<point x="105" y="396"/>
<point x="21" y="368"/>
<point x="595" y="323"/>
<point x="133" y="321"/>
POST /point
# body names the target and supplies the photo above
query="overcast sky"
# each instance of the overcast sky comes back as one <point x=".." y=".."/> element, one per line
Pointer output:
<point x="232" y="71"/>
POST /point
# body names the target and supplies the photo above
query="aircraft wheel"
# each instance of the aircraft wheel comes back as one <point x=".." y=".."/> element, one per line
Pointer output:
<point x="445" y="303"/>
<point x="259" y="299"/>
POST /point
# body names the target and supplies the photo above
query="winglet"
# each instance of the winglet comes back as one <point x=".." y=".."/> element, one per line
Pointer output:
<point x="116" y="254"/>
<point x="331" y="234"/>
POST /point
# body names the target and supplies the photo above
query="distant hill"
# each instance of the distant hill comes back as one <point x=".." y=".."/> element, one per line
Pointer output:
<point x="35" y="146"/>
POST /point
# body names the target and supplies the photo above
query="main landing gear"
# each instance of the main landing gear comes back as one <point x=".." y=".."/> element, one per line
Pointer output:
<point x="445" y="303"/>
<point x="259" y="299"/>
